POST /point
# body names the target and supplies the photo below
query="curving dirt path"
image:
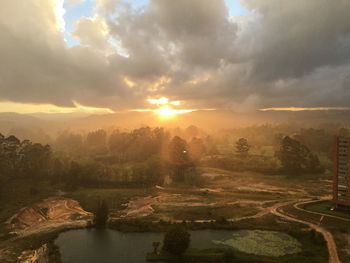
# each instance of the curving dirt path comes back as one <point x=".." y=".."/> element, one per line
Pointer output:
<point x="332" y="248"/>
<point x="297" y="206"/>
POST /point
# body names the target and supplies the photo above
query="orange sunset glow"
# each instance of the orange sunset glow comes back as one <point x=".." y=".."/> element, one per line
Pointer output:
<point x="183" y="131"/>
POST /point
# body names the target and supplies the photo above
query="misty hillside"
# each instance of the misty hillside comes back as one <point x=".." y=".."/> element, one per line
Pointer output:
<point x="29" y="126"/>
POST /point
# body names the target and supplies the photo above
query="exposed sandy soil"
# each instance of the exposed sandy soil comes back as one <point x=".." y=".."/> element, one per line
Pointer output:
<point x="142" y="206"/>
<point x="52" y="213"/>
<point x="242" y="189"/>
<point x="39" y="255"/>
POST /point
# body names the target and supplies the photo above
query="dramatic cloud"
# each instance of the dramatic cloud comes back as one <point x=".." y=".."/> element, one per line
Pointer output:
<point x="292" y="38"/>
<point x="75" y="2"/>
<point x="282" y="53"/>
<point x="92" y="32"/>
<point x="107" y="6"/>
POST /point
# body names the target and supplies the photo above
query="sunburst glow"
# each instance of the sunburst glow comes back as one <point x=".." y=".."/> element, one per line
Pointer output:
<point x="160" y="101"/>
<point x="169" y="112"/>
<point x="166" y="111"/>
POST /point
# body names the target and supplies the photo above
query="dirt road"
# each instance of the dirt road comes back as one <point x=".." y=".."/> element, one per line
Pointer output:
<point x="297" y="206"/>
<point x="332" y="248"/>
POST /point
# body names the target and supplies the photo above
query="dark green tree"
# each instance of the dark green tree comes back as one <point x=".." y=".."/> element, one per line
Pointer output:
<point x="179" y="157"/>
<point x="101" y="214"/>
<point x="229" y="256"/>
<point x="196" y="149"/>
<point x="57" y="172"/>
<point x="9" y="155"/>
<point x="35" y="159"/>
<point x="296" y="158"/>
<point x="176" y="240"/>
<point x="138" y="145"/>
<point x="73" y="177"/>
<point x="96" y="142"/>
<point x="71" y="143"/>
<point x="242" y="147"/>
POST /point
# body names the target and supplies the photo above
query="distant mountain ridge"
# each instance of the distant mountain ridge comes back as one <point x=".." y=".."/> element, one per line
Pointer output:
<point x="209" y="120"/>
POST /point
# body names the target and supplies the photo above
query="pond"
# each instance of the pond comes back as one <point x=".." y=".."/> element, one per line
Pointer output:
<point x="263" y="243"/>
<point x="109" y="246"/>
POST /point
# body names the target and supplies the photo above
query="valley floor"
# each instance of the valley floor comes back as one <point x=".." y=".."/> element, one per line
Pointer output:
<point x="243" y="199"/>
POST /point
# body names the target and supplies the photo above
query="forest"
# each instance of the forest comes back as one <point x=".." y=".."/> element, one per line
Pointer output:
<point x="154" y="156"/>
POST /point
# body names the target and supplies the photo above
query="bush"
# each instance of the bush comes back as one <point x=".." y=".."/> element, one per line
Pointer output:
<point x="176" y="240"/>
<point x="317" y="237"/>
<point x="101" y="214"/>
<point x="229" y="256"/>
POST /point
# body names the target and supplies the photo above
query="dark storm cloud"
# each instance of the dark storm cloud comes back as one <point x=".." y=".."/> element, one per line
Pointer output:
<point x="169" y="35"/>
<point x="292" y="38"/>
<point x="283" y="53"/>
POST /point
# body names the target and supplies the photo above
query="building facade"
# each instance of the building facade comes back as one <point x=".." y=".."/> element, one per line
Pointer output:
<point x="341" y="180"/>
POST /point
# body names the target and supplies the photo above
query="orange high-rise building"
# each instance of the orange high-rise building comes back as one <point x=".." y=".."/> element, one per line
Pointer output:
<point x="341" y="180"/>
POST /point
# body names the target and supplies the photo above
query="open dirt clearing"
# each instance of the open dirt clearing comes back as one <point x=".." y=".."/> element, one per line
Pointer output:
<point x="237" y="190"/>
<point x="39" y="255"/>
<point x="50" y="214"/>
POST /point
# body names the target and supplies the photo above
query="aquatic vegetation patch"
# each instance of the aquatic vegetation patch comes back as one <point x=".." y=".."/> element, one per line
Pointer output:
<point x="264" y="243"/>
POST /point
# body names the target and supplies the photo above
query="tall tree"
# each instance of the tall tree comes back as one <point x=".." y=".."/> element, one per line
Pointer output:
<point x="296" y="158"/>
<point x="74" y="175"/>
<point x="71" y="143"/>
<point x="35" y="159"/>
<point x="101" y="214"/>
<point x="242" y="147"/>
<point x="179" y="157"/>
<point x="196" y="149"/>
<point x="96" y="141"/>
<point x="57" y="171"/>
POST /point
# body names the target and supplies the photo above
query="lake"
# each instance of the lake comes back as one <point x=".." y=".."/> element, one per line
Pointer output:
<point x="110" y="246"/>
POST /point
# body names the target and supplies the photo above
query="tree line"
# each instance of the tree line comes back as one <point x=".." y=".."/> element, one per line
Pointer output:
<point x="144" y="157"/>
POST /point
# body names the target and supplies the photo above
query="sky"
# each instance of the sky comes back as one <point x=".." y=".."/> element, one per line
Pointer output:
<point x="114" y="55"/>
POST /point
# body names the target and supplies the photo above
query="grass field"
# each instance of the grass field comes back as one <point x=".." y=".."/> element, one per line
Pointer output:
<point x="205" y="212"/>
<point x="325" y="208"/>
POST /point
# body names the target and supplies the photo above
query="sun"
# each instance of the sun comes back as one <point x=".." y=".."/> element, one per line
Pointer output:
<point x="166" y="112"/>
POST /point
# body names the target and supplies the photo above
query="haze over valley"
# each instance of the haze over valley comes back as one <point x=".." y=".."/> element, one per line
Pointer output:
<point x="184" y="131"/>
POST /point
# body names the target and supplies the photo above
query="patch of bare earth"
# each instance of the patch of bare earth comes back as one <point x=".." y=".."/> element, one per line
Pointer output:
<point x="39" y="255"/>
<point x="50" y="214"/>
<point x="142" y="206"/>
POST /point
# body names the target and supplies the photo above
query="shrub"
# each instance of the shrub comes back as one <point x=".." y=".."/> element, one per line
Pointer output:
<point x="101" y="214"/>
<point x="229" y="256"/>
<point x="176" y="240"/>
